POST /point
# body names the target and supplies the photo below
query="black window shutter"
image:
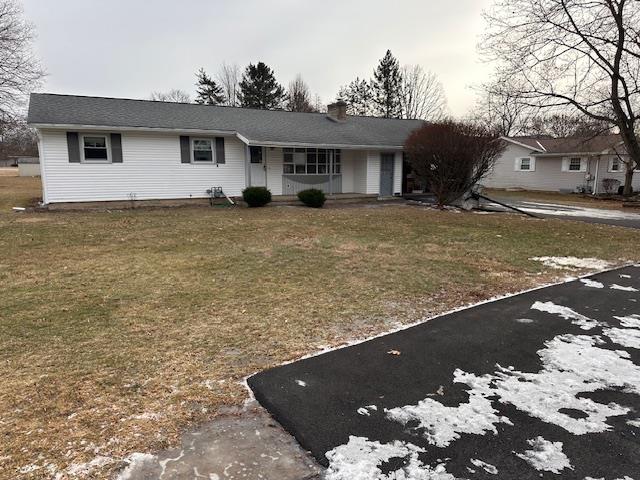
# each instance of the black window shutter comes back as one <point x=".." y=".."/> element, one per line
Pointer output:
<point x="220" y="150"/>
<point x="116" y="148"/>
<point x="73" y="147"/>
<point x="185" y="149"/>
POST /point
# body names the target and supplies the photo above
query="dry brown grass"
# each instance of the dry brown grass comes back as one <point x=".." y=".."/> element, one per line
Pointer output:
<point x="119" y="330"/>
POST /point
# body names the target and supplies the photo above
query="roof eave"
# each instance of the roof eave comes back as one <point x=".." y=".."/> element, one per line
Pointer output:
<point x="242" y="138"/>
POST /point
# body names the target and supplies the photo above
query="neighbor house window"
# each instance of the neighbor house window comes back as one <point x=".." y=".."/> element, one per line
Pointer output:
<point x="311" y="161"/>
<point x="575" y="164"/>
<point x="614" y="165"/>
<point x="524" y="164"/>
<point x="202" y="150"/>
<point x="95" y="148"/>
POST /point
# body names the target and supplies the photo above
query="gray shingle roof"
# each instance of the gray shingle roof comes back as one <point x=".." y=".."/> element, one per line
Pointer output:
<point x="593" y="144"/>
<point x="255" y="125"/>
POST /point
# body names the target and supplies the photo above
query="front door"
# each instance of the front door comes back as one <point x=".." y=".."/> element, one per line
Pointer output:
<point x="258" y="171"/>
<point x="386" y="174"/>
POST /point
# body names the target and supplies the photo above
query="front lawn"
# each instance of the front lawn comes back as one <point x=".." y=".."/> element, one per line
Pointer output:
<point x="120" y="329"/>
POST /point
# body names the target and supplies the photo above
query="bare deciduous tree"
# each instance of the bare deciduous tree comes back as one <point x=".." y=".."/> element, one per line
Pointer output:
<point x="20" y="71"/>
<point x="299" y="96"/>
<point x="229" y="77"/>
<point x="498" y="108"/>
<point x="582" y="54"/>
<point x="173" y="95"/>
<point x="421" y="94"/>
<point x="559" y="125"/>
<point x="451" y="157"/>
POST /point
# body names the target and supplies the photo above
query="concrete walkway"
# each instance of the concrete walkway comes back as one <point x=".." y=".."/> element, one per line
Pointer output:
<point x="242" y="444"/>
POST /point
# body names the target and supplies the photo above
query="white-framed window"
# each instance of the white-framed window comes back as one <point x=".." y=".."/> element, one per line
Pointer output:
<point x="525" y="164"/>
<point x="574" y="164"/>
<point x="95" y="148"/>
<point x="202" y="150"/>
<point x="311" y="161"/>
<point x="615" y="165"/>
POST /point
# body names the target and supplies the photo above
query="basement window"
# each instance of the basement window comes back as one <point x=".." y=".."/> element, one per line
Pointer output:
<point x="95" y="148"/>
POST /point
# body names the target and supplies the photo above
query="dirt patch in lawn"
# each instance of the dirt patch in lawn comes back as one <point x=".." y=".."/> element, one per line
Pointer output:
<point x="120" y="330"/>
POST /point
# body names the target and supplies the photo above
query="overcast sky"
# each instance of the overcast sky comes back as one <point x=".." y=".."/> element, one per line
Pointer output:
<point x="128" y="48"/>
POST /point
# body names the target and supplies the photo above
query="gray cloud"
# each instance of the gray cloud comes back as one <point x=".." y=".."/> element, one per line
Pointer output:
<point x="130" y="47"/>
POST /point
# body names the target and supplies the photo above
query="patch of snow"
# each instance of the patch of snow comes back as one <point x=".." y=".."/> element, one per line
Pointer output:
<point x="627" y="337"/>
<point x="631" y="321"/>
<point x="133" y="461"/>
<point x="87" y="468"/>
<point x="301" y="383"/>
<point x="615" y="286"/>
<point x="572" y="365"/>
<point x="146" y="416"/>
<point x="592" y="283"/>
<point x="366" y="410"/>
<point x="574" y="211"/>
<point x="440" y="425"/>
<point x="571" y="263"/>
<point x="361" y="459"/>
<point x="524" y="320"/>
<point x="29" y="468"/>
<point x="545" y="455"/>
<point x="585" y="323"/>
<point x="487" y="467"/>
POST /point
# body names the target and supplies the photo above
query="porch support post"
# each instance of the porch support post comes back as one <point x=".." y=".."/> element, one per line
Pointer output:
<point x="247" y="165"/>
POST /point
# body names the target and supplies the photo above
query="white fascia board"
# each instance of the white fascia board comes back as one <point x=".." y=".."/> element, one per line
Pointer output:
<point x="524" y="145"/>
<point x="193" y="131"/>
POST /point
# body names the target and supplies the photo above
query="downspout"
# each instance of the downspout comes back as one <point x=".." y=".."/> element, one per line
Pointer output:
<point x="595" y="177"/>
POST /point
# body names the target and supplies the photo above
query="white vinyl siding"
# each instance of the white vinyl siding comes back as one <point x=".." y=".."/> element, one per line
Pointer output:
<point x="151" y="169"/>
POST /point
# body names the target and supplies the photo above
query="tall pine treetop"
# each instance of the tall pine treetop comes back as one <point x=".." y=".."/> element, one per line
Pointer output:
<point x="259" y="88"/>
<point x="209" y="92"/>
<point x="386" y="87"/>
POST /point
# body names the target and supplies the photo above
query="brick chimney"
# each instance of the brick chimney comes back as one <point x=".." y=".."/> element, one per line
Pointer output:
<point x="337" y="111"/>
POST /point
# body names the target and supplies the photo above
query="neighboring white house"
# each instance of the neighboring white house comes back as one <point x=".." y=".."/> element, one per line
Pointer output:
<point x="103" y="149"/>
<point x="560" y="164"/>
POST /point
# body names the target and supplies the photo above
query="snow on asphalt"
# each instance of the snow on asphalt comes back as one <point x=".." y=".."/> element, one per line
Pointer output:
<point x="545" y="455"/>
<point x="572" y="365"/>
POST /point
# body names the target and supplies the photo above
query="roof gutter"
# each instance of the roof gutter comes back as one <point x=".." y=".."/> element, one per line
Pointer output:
<point x="194" y="131"/>
<point x="70" y="126"/>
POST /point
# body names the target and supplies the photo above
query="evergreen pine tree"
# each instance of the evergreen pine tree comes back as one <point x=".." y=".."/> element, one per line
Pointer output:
<point x="209" y="92"/>
<point x="386" y="84"/>
<point x="259" y="88"/>
<point x="358" y="97"/>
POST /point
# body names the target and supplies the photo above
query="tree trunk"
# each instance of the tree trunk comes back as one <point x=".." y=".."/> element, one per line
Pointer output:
<point x="632" y="146"/>
<point x="628" y="179"/>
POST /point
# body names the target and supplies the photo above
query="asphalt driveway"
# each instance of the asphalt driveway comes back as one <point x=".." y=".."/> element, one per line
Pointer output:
<point x="621" y="218"/>
<point x="545" y="384"/>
